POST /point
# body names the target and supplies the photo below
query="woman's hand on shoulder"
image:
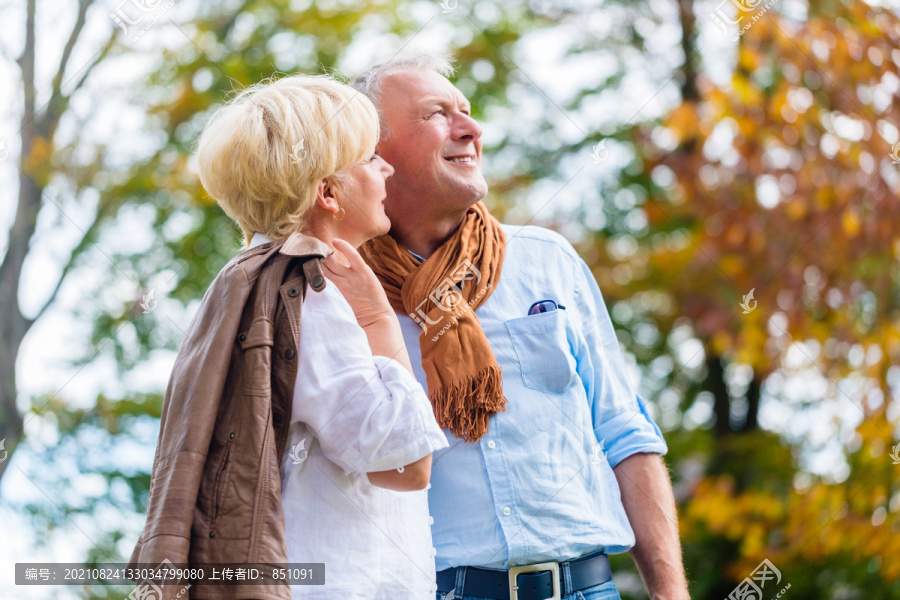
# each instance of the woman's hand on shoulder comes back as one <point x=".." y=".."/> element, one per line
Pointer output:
<point x="358" y="284"/>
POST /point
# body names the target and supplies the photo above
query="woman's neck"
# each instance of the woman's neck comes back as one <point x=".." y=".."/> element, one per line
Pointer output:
<point x="318" y="227"/>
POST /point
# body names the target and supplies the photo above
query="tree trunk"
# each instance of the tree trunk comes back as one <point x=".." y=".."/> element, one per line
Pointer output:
<point x="11" y="423"/>
<point x="687" y="19"/>
<point x="13" y="325"/>
<point x="715" y="384"/>
<point x="753" y="391"/>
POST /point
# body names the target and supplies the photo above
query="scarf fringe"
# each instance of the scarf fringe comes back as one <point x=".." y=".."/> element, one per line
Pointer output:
<point x="451" y="408"/>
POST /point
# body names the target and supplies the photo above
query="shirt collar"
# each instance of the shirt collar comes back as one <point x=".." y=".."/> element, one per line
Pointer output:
<point x="296" y="244"/>
<point x="258" y="239"/>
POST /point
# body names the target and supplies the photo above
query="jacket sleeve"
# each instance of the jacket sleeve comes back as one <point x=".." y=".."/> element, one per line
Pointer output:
<point x="368" y="412"/>
<point x="186" y="426"/>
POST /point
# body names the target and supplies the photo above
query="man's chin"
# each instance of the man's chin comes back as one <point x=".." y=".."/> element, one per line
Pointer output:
<point x="472" y="188"/>
<point x="478" y="193"/>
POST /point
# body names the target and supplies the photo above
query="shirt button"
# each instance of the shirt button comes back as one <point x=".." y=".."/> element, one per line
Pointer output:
<point x="506" y="511"/>
<point x="491" y="444"/>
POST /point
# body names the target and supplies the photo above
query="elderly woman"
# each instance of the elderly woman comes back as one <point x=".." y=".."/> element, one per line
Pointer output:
<point x="298" y="155"/>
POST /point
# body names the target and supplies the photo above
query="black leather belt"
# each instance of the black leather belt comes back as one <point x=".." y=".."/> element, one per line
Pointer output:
<point x="535" y="582"/>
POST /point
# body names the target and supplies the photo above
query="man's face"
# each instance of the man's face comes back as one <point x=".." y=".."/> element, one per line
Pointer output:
<point x="432" y="142"/>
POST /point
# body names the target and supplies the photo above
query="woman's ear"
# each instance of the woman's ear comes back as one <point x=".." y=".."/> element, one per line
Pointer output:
<point x="326" y="196"/>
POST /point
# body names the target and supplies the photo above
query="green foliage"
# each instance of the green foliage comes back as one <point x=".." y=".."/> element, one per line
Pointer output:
<point x="675" y="239"/>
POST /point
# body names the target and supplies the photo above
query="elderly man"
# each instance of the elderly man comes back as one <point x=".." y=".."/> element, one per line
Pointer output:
<point x="553" y="460"/>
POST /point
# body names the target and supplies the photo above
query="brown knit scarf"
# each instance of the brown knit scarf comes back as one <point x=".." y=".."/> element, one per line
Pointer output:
<point x="441" y="295"/>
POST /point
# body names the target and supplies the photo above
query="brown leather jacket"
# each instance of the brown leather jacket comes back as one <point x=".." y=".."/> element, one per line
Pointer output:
<point x="215" y="491"/>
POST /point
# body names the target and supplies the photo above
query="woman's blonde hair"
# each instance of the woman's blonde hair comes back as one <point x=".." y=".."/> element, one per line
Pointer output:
<point x="263" y="154"/>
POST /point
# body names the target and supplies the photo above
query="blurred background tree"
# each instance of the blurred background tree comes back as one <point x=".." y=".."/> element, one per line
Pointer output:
<point x="752" y="265"/>
<point x="775" y="178"/>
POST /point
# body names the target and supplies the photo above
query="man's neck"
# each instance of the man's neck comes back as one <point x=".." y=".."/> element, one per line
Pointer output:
<point x="424" y="239"/>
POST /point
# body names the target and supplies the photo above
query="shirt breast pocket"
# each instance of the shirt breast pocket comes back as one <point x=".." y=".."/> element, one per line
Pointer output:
<point x="543" y="351"/>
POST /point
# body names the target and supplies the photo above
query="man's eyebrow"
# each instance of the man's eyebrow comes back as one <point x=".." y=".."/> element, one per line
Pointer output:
<point x="433" y="100"/>
<point x="446" y="101"/>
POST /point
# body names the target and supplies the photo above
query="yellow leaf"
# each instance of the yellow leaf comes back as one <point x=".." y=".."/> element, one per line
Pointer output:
<point x="851" y="221"/>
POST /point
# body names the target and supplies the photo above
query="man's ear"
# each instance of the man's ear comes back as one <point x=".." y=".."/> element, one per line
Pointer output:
<point x="326" y="197"/>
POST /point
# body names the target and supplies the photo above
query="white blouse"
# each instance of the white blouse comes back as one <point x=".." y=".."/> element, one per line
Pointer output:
<point x="354" y="413"/>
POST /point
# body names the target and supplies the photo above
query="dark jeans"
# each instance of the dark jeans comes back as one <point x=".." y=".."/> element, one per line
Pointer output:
<point x="603" y="591"/>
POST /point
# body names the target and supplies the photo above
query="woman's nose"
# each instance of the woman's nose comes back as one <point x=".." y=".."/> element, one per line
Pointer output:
<point x="386" y="168"/>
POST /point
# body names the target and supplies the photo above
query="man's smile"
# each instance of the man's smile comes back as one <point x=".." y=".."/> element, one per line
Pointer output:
<point x="461" y="159"/>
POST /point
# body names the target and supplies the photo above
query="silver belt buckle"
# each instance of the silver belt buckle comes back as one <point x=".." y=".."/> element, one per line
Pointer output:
<point x="553" y="567"/>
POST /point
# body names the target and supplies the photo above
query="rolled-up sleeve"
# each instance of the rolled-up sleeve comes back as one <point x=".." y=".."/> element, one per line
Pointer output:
<point x="399" y="431"/>
<point x="367" y="412"/>
<point x="620" y="417"/>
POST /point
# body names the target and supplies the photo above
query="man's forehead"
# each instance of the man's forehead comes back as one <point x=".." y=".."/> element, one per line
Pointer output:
<point x="422" y="85"/>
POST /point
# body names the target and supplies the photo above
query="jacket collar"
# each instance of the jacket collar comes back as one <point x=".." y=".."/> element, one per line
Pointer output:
<point x="298" y="244"/>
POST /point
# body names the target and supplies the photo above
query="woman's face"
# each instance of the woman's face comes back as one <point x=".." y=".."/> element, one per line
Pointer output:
<point x="362" y="197"/>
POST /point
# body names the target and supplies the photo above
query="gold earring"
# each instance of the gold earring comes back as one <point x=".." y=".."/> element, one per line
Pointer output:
<point x="343" y="214"/>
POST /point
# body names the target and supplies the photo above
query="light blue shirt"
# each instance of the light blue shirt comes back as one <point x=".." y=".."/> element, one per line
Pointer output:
<point x="540" y="486"/>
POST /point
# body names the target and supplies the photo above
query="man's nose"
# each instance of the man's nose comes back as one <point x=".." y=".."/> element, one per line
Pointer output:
<point x="467" y="128"/>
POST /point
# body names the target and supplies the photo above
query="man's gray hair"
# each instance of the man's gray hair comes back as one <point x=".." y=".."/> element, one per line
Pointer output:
<point x="369" y="81"/>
